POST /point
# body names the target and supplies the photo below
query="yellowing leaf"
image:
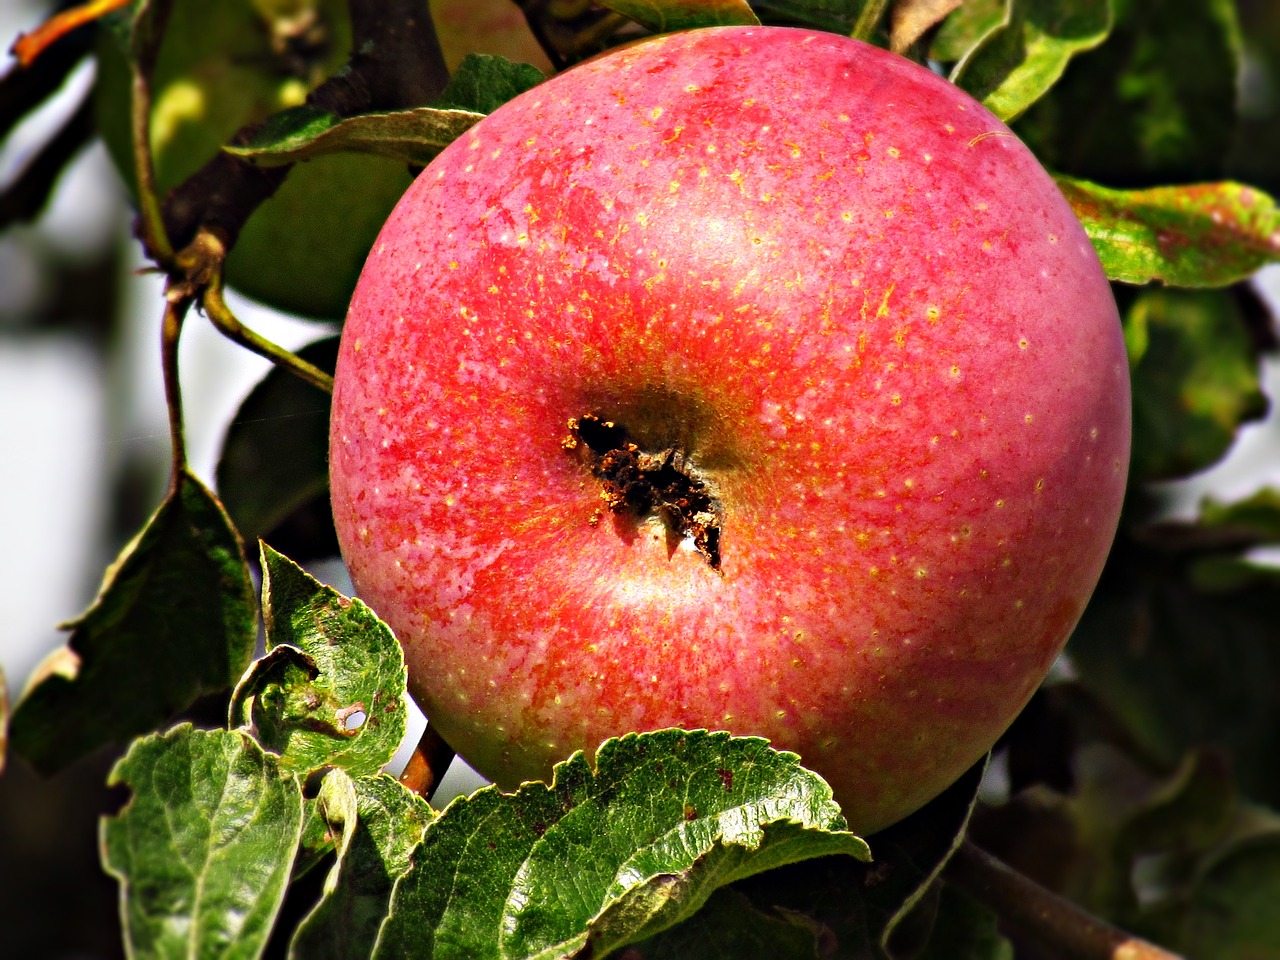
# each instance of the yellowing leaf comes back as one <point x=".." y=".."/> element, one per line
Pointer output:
<point x="1201" y="235"/>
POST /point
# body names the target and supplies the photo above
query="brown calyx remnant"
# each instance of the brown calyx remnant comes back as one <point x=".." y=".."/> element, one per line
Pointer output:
<point x="640" y="483"/>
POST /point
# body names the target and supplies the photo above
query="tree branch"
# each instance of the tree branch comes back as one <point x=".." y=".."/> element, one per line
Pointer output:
<point x="1027" y="908"/>
<point x="24" y="88"/>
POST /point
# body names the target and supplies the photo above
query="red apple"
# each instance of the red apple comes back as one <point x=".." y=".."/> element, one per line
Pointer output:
<point x="745" y="378"/>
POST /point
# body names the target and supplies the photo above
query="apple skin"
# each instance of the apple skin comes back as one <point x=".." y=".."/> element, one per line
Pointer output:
<point x="866" y="317"/>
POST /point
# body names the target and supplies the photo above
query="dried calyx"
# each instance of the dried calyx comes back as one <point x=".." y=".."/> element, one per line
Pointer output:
<point x="640" y="483"/>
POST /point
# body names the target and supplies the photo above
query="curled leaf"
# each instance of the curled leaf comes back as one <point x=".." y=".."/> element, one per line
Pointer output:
<point x="413" y="136"/>
<point x="1016" y="63"/>
<point x="331" y="688"/>
<point x="966" y="28"/>
<point x="377" y="824"/>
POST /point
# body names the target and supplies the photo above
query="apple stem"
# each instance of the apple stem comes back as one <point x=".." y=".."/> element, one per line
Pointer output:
<point x="1028" y="909"/>
<point x="868" y="19"/>
<point x="427" y="764"/>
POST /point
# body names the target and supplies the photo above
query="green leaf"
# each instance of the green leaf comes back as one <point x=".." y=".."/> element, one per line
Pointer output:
<point x="1188" y="813"/>
<point x="1203" y="235"/>
<point x="674" y="888"/>
<point x="379" y="823"/>
<point x="963" y="31"/>
<point x="483" y="82"/>
<point x="1156" y="103"/>
<point x="600" y="859"/>
<point x="730" y="927"/>
<point x="965" y="930"/>
<point x="317" y="840"/>
<point x="1012" y="66"/>
<point x="175" y="619"/>
<point x="1181" y="664"/>
<point x="884" y="908"/>
<point x="275" y="457"/>
<point x="668" y="16"/>
<point x="833" y="16"/>
<point x="919" y="847"/>
<point x="1232" y="915"/>
<point x="413" y="136"/>
<point x="203" y="848"/>
<point x="1257" y="517"/>
<point x="331" y="688"/>
<point x="1195" y="373"/>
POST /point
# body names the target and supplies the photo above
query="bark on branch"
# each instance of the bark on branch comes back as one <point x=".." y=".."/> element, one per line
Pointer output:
<point x="1028" y="909"/>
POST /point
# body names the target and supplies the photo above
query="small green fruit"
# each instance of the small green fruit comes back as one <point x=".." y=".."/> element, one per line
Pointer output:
<point x="227" y="64"/>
